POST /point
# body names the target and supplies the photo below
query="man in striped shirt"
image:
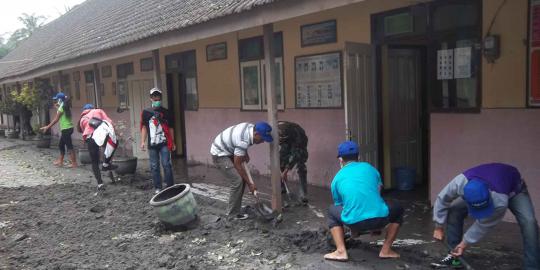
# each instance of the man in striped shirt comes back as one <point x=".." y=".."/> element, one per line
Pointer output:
<point x="229" y="151"/>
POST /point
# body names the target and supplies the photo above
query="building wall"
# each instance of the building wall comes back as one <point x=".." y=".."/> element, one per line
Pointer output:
<point x="504" y="82"/>
<point x="461" y="141"/>
<point x="505" y="130"/>
<point x="220" y="94"/>
<point x="201" y="130"/>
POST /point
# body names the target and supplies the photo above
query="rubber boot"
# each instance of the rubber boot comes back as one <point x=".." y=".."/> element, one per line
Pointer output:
<point x="73" y="159"/>
<point x="60" y="161"/>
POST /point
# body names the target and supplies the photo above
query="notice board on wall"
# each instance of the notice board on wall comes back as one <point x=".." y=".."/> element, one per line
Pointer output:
<point x="318" y="81"/>
<point x="534" y="54"/>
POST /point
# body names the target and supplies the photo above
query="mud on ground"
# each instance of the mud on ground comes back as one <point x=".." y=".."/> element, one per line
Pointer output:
<point x="66" y="227"/>
<point x="50" y="219"/>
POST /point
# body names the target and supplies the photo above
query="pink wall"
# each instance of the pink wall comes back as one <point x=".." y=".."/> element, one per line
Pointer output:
<point x="325" y="130"/>
<point x="460" y="141"/>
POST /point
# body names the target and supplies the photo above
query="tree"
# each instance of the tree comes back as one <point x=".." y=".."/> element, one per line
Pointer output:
<point x="31" y="23"/>
<point x="3" y="48"/>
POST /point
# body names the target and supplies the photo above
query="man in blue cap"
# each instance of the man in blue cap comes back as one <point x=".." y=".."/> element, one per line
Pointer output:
<point x="484" y="192"/>
<point x="230" y="150"/>
<point x="358" y="204"/>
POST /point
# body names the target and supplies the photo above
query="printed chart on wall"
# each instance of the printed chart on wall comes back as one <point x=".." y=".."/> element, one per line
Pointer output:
<point x="318" y="81"/>
<point x="534" y="54"/>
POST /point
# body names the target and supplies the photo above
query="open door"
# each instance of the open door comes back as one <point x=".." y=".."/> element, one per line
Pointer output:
<point x="139" y="97"/>
<point x="361" y="100"/>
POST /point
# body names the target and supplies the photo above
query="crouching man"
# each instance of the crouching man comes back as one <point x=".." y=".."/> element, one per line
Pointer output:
<point x="359" y="205"/>
<point x="484" y="192"/>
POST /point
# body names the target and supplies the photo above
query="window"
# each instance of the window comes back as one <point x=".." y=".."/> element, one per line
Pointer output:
<point x="457" y="34"/>
<point x="449" y="17"/>
<point x="123" y="70"/>
<point x="252" y="72"/>
<point x="106" y="71"/>
<point x="192" y="99"/>
<point x="183" y="67"/>
<point x="147" y="64"/>
<point x="122" y="90"/>
<point x="89" y="86"/>
<point x="89" y="76"/>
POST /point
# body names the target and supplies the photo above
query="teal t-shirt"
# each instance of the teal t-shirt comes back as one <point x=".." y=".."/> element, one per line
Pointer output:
<point x="356" y="188"/>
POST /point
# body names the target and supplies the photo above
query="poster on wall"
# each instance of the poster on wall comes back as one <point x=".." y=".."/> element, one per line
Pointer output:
<point x="534" y="54"/>
<point x="445" y="64"/>
<point x="318" y="81"/>
<point x="462" y="62"/>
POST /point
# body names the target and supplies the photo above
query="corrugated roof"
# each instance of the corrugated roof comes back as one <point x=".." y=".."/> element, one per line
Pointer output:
<point x="99" y="25"/>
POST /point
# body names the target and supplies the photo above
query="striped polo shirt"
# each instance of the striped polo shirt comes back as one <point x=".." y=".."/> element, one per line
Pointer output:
<point x="234" y="140"/>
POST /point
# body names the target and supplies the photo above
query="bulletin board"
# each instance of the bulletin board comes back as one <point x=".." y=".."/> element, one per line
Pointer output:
<point x="318" y="81"/>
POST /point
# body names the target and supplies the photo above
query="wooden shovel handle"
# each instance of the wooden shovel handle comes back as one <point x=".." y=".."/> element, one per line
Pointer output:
<point x="250" y="179"/>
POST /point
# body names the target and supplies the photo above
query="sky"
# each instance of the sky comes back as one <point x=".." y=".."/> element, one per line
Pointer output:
<point x="11" y="9"/>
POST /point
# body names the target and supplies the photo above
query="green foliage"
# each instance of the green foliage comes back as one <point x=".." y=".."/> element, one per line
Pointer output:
<point x="31" y="23"/>
<point x="29" y="97"/>
<point x="7" y="106"/>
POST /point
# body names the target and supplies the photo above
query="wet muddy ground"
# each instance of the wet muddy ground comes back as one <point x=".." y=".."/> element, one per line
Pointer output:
<point x="50" y="218"/>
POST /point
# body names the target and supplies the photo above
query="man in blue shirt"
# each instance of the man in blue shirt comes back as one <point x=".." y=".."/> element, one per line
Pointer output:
<point x="358" y="204"/>
<point x="485" y="192"/>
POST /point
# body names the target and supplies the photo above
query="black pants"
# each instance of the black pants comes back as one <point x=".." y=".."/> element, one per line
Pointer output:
<point x="93" y="150"/>
<point x="395" y="215"/>
<point x="65" y="140"/>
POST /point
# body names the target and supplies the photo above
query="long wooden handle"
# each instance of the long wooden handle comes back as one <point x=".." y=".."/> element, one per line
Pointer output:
<point x="250" y="179"/>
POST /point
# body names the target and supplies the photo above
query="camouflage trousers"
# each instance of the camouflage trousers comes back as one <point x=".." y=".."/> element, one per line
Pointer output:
<point x="290" y="157"/>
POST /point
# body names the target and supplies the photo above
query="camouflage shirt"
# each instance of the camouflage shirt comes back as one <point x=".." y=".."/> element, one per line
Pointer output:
<point x="292" y="144"/>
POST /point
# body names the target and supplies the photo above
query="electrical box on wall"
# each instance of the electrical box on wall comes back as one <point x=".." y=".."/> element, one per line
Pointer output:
<point x="492" y="48"/>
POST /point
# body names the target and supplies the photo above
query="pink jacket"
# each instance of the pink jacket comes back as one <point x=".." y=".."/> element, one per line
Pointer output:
<point x="86" y="115"/>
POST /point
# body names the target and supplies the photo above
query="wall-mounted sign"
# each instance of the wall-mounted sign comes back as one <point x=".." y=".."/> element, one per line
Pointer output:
<point x="216" y="51"/>
<point x="319" y="33"/>
<point x="445" y="64"/>
<point x="462" y="62"/>
<point x="318" y="81"/>
<point x="534" y="54"/>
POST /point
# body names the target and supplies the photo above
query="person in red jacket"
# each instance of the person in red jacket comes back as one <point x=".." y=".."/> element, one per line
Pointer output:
<point x="98" y="131"/>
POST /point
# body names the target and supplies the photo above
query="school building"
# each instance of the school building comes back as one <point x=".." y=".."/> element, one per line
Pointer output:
<point x="431" y="87"/>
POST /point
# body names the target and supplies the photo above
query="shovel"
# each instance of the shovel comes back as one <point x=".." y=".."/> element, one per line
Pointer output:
<point x="264" y="210"/>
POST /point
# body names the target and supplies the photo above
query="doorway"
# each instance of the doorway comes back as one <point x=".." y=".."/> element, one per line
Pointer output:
<point x="404" y="79"/>
<point x="174" y="82"/>
<point x="181" y="81"/>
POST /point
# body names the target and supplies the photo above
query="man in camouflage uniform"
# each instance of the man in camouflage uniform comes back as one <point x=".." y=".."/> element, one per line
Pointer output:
<point x="293" y="151"/>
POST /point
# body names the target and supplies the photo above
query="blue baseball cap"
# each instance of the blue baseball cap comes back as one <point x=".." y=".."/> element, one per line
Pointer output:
<point x="348" y="148"/>
<point x="476" y="195"/>
<point x="87" y="106"/>
<point x="265" y="130"/>
<point x="60" y="96"/>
